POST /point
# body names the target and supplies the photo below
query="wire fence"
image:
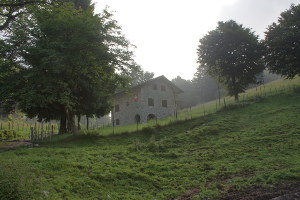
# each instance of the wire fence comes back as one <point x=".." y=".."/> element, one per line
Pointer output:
<point x="252" y="95"/>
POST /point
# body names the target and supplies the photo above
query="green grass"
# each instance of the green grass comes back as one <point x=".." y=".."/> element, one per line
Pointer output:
<point x="233" y="151"/>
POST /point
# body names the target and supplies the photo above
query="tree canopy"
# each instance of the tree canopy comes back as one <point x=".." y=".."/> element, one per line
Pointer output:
<point x="137" y="76"/>
<point x="11" y="10"/>
<point x="232" y="55"/>
<point x="282" y="44"/>
<point x="63" y="61"/>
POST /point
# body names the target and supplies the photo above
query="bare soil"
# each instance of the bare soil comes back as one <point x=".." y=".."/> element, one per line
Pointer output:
<point x="14" y="144"/>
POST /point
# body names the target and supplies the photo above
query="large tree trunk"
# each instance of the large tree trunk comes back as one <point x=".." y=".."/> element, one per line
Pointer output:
<point x="235" y="90"/>
<point x="236" y="97"/>
<point x="78" y="122"/>
<point x="71" y="122"/>
<point x="87" y="123"/>
<point x="63" y="125"/>
<point x="219" y="93"/>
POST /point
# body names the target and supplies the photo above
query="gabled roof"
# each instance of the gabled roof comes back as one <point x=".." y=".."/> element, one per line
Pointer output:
<point x="177" y="90"/>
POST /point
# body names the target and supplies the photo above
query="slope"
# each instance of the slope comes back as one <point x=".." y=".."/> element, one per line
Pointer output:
<point x="249" y="152"/>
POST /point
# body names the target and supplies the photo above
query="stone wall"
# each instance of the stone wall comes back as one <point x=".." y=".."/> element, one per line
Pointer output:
<point x="136" y="103"/>
<point x="158" y="95"/>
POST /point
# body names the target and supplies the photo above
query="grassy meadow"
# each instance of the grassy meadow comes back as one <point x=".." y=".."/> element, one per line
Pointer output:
<point x="249" y="150"/>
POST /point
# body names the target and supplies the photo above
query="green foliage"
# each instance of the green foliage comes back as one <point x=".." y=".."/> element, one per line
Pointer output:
<point x="7" y="135"/>
<point x="282" y="44"/>
<point x="64" y="60"/>
<point x="138" y="76"/>
<point x="197" y="91"/>
<point x="232" y="55"/>
<point x="12" y="10"/>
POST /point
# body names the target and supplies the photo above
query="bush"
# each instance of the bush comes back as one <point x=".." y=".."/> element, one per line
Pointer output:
<point x="148" y="130"/>
<point x="7" y="134"/>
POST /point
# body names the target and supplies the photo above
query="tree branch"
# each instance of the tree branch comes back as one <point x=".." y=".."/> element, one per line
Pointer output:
<point x="21" y="3"/>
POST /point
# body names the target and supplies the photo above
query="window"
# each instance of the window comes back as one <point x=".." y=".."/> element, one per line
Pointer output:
<point x="117" y="108"/>
<point x="150" y="102"/>
<point x="164" y="103"/>
<point x="163" y="88"/>
<point x="117" y="122"/>
<point x="154" y="87"/>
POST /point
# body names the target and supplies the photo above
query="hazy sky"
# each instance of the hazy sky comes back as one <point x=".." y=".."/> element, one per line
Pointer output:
<point x="167" y="32"/>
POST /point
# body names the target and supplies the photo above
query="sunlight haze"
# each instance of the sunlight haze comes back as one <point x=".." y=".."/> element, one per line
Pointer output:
<point x="166" y="33"/>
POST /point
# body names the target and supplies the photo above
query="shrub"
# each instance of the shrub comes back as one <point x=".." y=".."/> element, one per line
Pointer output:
<point x="148" y="130"/>
<point x="7" y="134"/>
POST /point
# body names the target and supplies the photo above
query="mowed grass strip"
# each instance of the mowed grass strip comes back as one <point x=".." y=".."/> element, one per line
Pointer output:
<point x="220" y="155"/>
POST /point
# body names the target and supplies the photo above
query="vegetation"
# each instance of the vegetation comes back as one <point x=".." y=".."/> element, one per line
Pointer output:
<point x="210" y="107"/>
<point x="232" y="55"/>
<point x="138" y="76"/>
<point x="199" y="90"/>
<point x="252" y="150"/>
<point x="282" y="43"/>
<point x="22" y="126"/>
<point x="62" y="61"/>
<point x="12" y="10"/>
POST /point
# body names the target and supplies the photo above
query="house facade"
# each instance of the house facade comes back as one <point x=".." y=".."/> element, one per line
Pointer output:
<point x="154" y="99"/>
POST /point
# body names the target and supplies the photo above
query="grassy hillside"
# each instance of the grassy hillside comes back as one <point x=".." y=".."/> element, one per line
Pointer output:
<point x="250" y="151"/>
<point x="270" y="89"/>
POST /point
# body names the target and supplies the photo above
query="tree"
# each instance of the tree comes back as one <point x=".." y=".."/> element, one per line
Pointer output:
<point x="282" y="42"/>
<point x="231" y="54"/>
<point x="137" y="75"/>
<point x="67" y="61"/>
<point x="208" y="87"/>
<point x="11" y="10"/>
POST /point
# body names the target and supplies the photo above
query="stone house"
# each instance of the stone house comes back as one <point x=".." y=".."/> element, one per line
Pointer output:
<point x="153" y="99"/>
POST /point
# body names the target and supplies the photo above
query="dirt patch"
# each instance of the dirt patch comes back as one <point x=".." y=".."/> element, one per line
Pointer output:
<point x="188" y="195"/>
<point x="14" y="144"/>
<point x="294" y="196"/>
<point x="281" y="192"/>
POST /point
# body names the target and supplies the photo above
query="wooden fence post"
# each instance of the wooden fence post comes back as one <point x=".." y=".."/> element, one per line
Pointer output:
<point x="31" y="135"/>
<point x="52" y="127"/>
<point x="42" y="131"/>
<point x="35" y="133"/>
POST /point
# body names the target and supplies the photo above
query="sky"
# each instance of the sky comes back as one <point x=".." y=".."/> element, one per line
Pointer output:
<point x="166" y="33"/>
